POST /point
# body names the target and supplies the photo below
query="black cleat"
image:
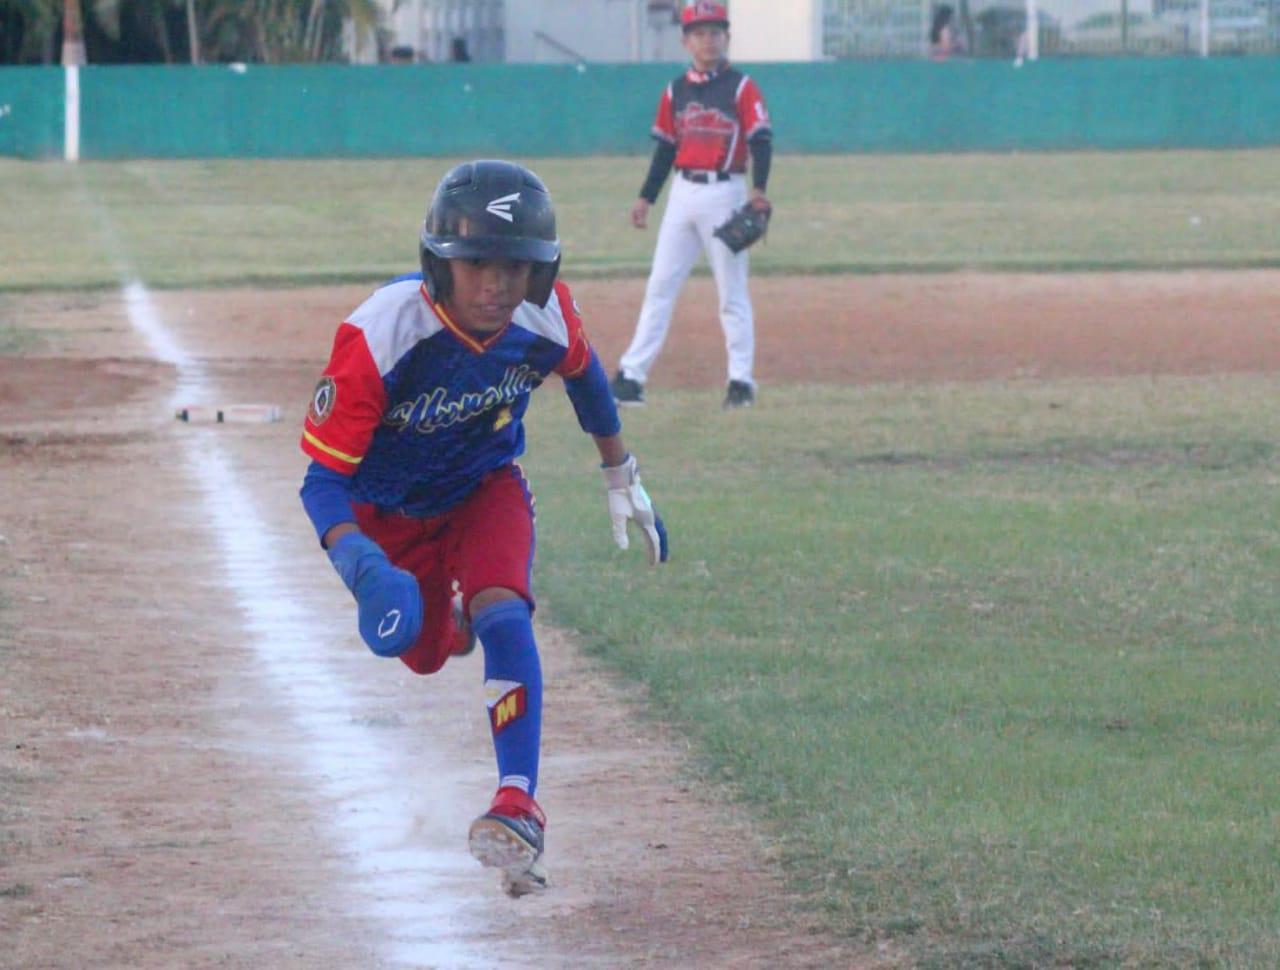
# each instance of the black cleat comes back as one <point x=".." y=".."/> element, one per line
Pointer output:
<point x="739" y="395"/>
<point x="626" y="392"/>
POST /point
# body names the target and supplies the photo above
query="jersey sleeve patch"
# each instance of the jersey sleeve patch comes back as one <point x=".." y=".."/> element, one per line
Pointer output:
<point x="347" y="405"/>
<point x="322" y="401"/>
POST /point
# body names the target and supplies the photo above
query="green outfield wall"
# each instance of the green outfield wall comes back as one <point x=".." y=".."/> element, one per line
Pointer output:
<point x="543" y="110"/>
<point x="31" y="111"/>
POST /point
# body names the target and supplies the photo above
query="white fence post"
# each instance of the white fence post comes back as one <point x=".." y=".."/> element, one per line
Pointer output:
<point x="71" y="114"/>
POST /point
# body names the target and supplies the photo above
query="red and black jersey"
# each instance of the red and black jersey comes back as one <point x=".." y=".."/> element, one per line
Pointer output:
<point x="709" y="117"/>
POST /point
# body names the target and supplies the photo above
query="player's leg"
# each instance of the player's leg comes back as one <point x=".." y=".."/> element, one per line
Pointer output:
<point x="509" y="835"/>
<point x="674" y="256"/>
<point x="737" y="319"/>
<point x="494" y="542"/>
<point x="417" y="546"/>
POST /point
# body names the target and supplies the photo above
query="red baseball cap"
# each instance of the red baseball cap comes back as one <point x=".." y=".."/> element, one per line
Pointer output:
<point x="704" y="12"/>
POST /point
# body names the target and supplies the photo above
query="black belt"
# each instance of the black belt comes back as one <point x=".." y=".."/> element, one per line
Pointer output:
<point x="702" y="178"/>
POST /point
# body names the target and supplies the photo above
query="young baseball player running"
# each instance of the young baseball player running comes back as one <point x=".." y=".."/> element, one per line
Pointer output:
<point x="709" y="119"/>
<point x="413" y="488"/>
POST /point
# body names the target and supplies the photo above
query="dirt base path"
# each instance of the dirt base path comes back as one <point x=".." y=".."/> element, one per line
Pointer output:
<point x="174" y="792"/>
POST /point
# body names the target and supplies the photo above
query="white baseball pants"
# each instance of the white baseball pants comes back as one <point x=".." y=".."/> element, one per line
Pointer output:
<point x="693" y="212"/>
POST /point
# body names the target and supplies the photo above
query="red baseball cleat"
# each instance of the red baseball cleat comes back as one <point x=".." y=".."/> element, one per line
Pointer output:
<point x="510" y="837"/>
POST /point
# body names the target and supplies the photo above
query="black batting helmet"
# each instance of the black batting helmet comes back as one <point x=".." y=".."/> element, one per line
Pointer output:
<point x="490" y="210"/>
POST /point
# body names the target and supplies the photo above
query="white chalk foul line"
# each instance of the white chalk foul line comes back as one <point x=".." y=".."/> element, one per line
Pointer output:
<point x="410" y="889"/>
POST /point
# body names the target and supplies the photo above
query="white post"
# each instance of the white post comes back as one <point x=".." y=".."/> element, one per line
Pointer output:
<point x="71" y="114"/>
<point x="1033" y="31"/>
<point x="72" y="58"/>
<point x="1204" y="28"/>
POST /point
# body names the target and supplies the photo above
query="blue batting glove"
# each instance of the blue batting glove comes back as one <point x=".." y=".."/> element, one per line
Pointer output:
<point x="388" y="600"/>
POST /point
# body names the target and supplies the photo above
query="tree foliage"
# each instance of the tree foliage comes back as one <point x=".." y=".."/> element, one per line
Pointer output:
<point x="150" y="31"/>
<point x="281" y="31"/>
<point x="27" y="30"/>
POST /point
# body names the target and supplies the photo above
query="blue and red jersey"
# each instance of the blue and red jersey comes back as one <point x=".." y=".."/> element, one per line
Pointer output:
<point x="416" y="410"/>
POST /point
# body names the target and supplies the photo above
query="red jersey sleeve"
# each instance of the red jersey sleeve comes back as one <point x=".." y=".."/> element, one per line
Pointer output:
<point x="578" y="353"/>
<point x="752" y="114"/>
<point x="664" y="126"/>
<point x="347" y="406"/>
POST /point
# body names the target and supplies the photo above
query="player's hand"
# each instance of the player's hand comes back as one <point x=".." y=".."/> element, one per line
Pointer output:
<point x="760" y="201"/>
<point x="629" y="502"/>
<point x="640" y="213"/>
<point x="389" y="603"/>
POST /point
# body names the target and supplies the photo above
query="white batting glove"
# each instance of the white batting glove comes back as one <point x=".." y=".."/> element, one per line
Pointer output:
<point x="629" y="502"/>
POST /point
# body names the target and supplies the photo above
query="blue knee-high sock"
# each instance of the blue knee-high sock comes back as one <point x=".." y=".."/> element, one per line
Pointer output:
<point x="513" y="690"/>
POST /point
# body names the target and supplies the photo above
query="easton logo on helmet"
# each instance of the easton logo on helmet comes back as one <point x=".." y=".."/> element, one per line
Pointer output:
<point x="502" y="207"/>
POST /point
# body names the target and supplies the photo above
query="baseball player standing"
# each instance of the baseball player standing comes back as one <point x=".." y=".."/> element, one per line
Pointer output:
<point x="709" y="119"/>
<point x="413" y="488"/>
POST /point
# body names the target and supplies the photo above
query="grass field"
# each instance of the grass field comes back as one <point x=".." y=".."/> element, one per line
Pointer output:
<point x="994" y="663"/>
<point x="196" y="223"/>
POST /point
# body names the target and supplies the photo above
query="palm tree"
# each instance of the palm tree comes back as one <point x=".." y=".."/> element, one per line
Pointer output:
<point x="133" y="31"/>
<point x="280" y="31"/>
<point x="27" y="29"/>
<point x="137" y="29"/>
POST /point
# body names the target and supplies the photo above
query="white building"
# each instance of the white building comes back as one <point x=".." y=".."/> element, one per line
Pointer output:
<point x="601" y="31"/>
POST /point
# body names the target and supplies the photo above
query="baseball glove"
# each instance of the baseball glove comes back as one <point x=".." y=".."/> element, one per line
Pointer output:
<point x="747" y="224"/>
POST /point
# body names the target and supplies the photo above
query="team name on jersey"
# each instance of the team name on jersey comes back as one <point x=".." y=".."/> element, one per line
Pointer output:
<point x="433" y="410"/>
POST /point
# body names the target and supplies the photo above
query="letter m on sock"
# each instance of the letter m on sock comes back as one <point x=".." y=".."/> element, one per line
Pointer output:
<point x="507" y="701"/>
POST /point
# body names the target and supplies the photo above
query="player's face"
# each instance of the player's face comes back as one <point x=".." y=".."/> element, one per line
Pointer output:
<point x="486" y="292"/>
<point x="706" y="44"/>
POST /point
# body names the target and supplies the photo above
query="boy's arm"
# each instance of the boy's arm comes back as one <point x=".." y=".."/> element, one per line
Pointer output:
<point x="612" y="450"/>
<point x="593" y="401"/>
<point x="587" y="385"/>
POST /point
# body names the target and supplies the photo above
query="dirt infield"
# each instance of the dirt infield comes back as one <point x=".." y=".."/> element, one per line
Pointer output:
<point x="159" y="802"/>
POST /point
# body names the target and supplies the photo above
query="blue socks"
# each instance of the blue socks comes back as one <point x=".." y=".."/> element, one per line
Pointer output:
<point x="512" y="690"/>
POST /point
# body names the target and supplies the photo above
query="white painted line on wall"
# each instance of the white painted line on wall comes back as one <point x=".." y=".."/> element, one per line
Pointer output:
<point x="71" y="114"/>
<point x="411" y="889"/>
